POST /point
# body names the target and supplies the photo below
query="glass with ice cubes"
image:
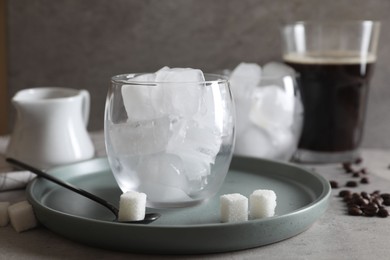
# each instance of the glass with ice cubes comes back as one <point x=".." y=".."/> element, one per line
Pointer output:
<point x="269" y="112"/>
<point x="170" y="134"/>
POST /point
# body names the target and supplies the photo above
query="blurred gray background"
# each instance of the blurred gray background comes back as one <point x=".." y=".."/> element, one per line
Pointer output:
<point x="82" y="43"/>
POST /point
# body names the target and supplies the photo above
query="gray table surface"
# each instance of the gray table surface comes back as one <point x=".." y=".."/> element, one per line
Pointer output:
<point x="334" y="236"/>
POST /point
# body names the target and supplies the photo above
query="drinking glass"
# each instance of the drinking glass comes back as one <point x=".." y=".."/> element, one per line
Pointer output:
<point x="269" y="118"/>
<point x="335" y="62"/>
<point x="172" y="141"/>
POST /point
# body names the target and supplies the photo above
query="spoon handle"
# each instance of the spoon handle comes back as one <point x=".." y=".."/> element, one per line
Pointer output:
<point x="63" y="184"/>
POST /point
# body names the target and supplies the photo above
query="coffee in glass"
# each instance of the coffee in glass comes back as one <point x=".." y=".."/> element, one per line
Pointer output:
<point x="335" y="61"/>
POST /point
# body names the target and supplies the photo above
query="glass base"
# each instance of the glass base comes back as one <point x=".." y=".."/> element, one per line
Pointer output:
<point x="164" y="205"/>
<point x="307" y="156"/>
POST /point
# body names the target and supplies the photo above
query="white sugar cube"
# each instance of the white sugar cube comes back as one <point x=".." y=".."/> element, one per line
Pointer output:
<point x="234" y="207"/>
<point x="262" y="203"/>
<point x="22" y="216"/>
<point x="4" y="219"/>
<point x="132" y="206"/>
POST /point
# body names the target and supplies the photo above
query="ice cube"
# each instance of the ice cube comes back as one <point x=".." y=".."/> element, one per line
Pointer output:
<point x="194" y="141"/>
<point x="254" y="142"/>
<point x="162" y="69"/>
<point x="244" y="78"/>
<point x="179" y="75"/>
<point x="272" y="108"/>
<point x="162" y="178"/>
<point x="277" y="69"/>
<point x="197" y="174"/>
<point x="284" y="144"/>
<point x="163" y="168"/>
<point x="215" y="102"/>
<point x="195" y="170"/>
<point x="182" y="90"/>
<point x="243" y="107"/>
<point x="159" y="193"/>
<point x="143" y="101"/>
<point x="140" y="137"/>
<point x="147" y="77"/>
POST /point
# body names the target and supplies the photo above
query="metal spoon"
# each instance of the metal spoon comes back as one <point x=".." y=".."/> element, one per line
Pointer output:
<point x="149" y="217"/>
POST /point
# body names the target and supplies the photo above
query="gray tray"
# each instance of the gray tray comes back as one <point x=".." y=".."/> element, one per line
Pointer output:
<point x="302" y="197"/>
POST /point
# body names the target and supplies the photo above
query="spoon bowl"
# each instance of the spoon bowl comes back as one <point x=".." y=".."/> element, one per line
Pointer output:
<point x="149" y="217"/>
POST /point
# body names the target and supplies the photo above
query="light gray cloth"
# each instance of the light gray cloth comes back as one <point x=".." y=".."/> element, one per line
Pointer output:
<point x="10" y="179"/>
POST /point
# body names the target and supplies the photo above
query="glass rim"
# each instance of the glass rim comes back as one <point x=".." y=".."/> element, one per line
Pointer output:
<point x="333" y="22"/>
<point x="121" y="79"/>
<point x="293" y="74"/>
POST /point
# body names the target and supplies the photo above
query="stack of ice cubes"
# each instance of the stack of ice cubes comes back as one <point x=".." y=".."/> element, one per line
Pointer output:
<point x="266" y="116"/>
<point x="172" y="135"/>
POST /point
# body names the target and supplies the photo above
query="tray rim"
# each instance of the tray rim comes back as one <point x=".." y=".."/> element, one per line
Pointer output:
<point x="320" y="201"/>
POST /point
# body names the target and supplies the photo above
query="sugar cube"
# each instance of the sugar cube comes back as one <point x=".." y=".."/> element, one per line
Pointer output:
<point x="234" y="207"/>
<point x="262" y="203"/>
<point x="22" y="216"/>
<point x="132" y="206"/>
<point x="4" y="219"/>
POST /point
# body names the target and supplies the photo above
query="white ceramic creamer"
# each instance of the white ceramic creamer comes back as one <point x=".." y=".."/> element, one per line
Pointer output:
<point x="51" y="127"/>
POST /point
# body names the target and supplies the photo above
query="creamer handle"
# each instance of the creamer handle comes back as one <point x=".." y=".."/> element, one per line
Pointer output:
<point x="85" y="106"/>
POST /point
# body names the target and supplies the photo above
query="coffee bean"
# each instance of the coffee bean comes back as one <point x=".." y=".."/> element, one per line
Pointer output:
<point x="344" y="193"/>
<point x="358" y="160"/>
<point x="383" y="213"/>
<point x="351" y="204"/>
<point x="360" y="201"/>
<point x="356" y="195"/>
<point x="369" y="210"/>
<point x="334" y="184"/>
<point x="386" y="202"/>
<point x="365" y="195"/>
<point x="347" y="198"/>
<point x="356" y="175"/>
<point x="385" y="196"/>
<point x="355" y="211"/>
<point x="351" y="184"/>
<point x="378" y="201"/>
<point x="347" y="166"/>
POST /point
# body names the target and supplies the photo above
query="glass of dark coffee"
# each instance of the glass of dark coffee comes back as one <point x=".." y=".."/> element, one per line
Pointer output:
<point x="335" y="62"/>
